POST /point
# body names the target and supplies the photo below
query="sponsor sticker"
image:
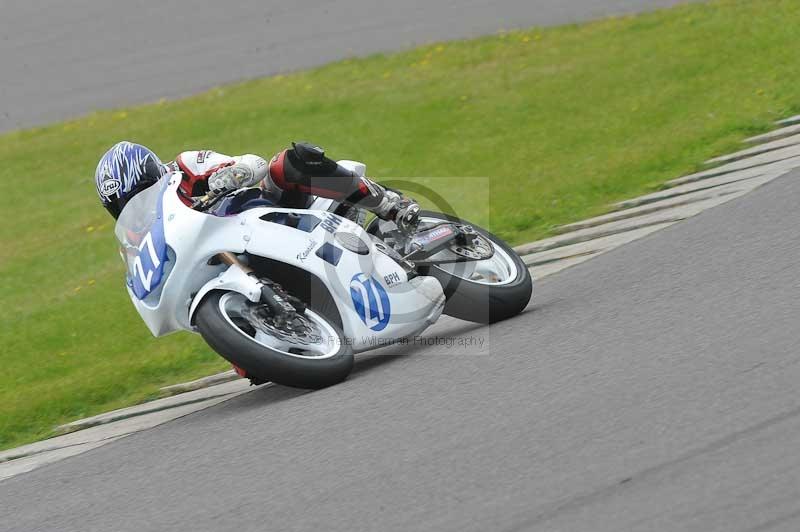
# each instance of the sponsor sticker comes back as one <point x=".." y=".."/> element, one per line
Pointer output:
<point x="110" y="187"/>
<point x="304" y="255"/>
<point x="392" y="279"/>
<point x="434" y="235"/>
<point x="331" y="223"/>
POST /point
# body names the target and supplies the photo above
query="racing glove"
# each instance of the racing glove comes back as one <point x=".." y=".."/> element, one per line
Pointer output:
<point x="244" y="171"/>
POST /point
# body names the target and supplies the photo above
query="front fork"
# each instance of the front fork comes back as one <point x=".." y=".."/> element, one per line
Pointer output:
<point x="242" y="279"/>
<point x="281" y="304"/>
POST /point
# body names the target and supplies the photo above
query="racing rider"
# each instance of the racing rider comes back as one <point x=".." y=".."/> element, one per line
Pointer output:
<point x="291" y="179"/>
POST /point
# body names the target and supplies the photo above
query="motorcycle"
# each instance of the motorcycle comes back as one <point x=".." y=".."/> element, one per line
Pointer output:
<point x="289" y="295"/>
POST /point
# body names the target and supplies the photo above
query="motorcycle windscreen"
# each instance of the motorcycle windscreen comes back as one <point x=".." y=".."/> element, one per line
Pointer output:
<point x="140" y="231"/>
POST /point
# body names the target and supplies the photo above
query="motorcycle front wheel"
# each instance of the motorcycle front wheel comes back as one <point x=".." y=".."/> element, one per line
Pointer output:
<point x="319" y="357"/>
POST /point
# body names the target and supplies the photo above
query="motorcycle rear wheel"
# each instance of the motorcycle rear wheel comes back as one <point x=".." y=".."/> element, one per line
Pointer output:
<point x="485" y="291"/>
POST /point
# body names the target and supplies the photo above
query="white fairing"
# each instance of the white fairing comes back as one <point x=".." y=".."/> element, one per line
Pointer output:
<point x="169" y="270"/>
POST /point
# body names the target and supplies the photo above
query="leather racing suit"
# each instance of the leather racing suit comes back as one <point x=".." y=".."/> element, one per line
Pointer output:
<point x="292" y="178"/>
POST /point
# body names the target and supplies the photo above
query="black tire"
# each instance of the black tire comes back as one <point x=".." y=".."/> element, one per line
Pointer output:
<point x="477" y="302"/>
<point x="268" y="364"/>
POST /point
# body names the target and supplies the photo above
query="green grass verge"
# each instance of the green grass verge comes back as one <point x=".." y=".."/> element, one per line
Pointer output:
<point x="562" y="121"/>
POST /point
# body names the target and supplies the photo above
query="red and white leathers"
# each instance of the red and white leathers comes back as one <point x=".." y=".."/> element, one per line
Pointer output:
<point x="305" y="170"/>
<point x="279" y="175"/>
<point x="292" y="176"/>
<point x="198" y="166"/>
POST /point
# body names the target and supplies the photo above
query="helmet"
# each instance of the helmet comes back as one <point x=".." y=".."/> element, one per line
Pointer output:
<point x="124" y="171"/>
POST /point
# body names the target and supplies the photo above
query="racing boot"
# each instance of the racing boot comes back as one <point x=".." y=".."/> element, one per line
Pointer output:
<point x="394" y="207"/>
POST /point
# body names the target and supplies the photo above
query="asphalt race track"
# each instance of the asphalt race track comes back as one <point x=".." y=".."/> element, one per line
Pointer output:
<point x="62" y="59"/>
<point x="653" y="388"/>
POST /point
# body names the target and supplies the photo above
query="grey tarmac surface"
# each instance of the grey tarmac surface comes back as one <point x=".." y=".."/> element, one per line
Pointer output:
<point x="653" y="388"/>
<point x="63" y="59"/>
